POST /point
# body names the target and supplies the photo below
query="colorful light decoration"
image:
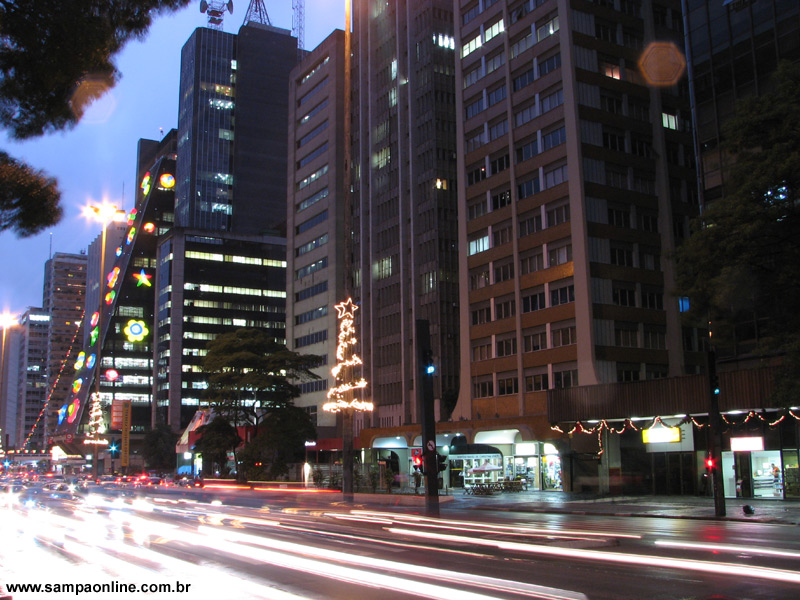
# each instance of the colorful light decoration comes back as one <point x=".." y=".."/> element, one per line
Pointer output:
<point x="131" y="235"/>
<point x="95" y="319"/>
<point x="90" y="361"/>
<point x="72" y="410"/>
<point x="96" y="424"/>
<point x="167" y="181"/>
<point x="149" y="227"/>
<point x="76" y="385"/>
<point x="62" y="414"/>
<point x="95" y="333"/>
<point x="143" y="278"/>
<point x="79" y="362"/>
<point x="132" y="216"/>
<point x="118" y="251"/>
<point x="110" y="296"/>
<point x="346" y="358"/>
<point x="145" y="185"/>
<point x="112" y="277"/>
<point x="112" y="375"/>
<point x="136" y="331"/>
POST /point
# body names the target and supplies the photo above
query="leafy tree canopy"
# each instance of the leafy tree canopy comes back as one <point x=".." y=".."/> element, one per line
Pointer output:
<point x="217" y="438"/>
<point x="281" y="440"/>
<point x="158" y="448"/>
<point x="56" y="58"/>
<point x="741" y="265"/>
<point x="250" y="374"/>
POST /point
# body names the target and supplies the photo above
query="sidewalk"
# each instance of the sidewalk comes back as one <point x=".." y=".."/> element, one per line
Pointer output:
<point x="676" y="507"/>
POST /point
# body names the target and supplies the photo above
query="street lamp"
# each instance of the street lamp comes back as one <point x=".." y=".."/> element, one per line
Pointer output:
<point x="104" y="214"/>
<point x="7" y="320"/>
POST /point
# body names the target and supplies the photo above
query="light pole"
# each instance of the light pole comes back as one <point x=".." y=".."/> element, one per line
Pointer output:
<point x="104" y="214"/>
<point x="7" y="320"/>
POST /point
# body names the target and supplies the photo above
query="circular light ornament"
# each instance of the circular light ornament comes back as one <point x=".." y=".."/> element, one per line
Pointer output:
<point x="136" y="331"/>
<point x="167" y="180"/>
<point x="131" y="235"/>
<point x="72" y="410"/>
<point x="76" y="385"/>
<point x="113" y="275"/>
<point x="149" y="227"/>
<point x="110" y="296"/>
<point x="90" y="361"/>
<point x="132" y="216"/>
<point x="95" y="319"/>
<point x="62" y="414"/>
<point x="118" y="251"/>
<point x="95" y="333"/>
<point x="79" y="362"/>
<point x="112" y="375"/>
<point x="145" y="185"/>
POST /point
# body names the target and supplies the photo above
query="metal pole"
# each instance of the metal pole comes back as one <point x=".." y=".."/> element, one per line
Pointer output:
<point x="715" y="435"/>
<point x="96" y="436"/>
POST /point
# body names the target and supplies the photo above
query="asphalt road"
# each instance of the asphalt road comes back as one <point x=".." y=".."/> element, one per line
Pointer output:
<point x="286" y="546"/>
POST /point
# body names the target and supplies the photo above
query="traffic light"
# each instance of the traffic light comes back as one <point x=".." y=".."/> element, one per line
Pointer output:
<point x="441" y="462"/>
<point x="710" y="463"/>
<point x="427" y="357"/>
<point x="715" y="385"/>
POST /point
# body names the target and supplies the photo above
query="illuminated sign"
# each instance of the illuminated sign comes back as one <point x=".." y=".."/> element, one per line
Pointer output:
<point x="747" y="444"/>
<point x="118" y="251"/>
<point x="76" y="385"/>
<point x="95" y="319"/>
<point x="112" y="375"/>
<point x="110" y="296"/>
<point x="90" y="361"/>
<point x="167" y="181"/>
<point x="136" y="331"/>
<point x="72" y="410"/>
<point x="661" y="435"/>
<point x="131" y="235"/>
<point x="143" y="278"/>
<point x="93" y="337"/>
<point x="149" y="227"/>
<point x="113" y="275"/>
<point x="145" y="185"/>
<point x="80" y="361"/>
<point x="132" y="216"/>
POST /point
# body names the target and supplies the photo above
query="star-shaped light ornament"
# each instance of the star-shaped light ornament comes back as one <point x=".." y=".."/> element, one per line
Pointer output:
<point x="346" y="309"/>
<point x="143" y="278"/>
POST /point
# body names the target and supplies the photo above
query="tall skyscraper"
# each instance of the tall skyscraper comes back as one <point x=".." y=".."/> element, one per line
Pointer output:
<point x="64" y="300"/>
<point x="404" y="200"/>
<point x="232" y="174"/>
<point x="32" y="379"/>
<point x="315" y="236"/>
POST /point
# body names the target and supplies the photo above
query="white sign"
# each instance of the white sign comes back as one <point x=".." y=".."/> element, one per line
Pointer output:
<point x="747" y="444"/>
<point x="431" y="445"/>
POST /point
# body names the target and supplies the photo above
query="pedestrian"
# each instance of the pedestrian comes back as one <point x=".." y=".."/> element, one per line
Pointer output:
<point x="417" y="479"/>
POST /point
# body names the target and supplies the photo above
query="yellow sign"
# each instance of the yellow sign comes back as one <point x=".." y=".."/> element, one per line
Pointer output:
<point x="661" y="435"/>
<point x="125" y="450"/>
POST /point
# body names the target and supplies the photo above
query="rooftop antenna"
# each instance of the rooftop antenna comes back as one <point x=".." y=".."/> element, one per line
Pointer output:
<point x="299" y="22"/>
<point x="257" y="12"/>
<point x="215" y="9"/>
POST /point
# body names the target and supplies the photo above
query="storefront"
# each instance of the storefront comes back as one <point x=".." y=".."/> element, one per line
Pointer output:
<point x="751" y="471"/>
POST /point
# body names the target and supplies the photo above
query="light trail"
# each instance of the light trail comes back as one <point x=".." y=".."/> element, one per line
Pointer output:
<point x="717" y="568"/>
<point x="728" y="548"/>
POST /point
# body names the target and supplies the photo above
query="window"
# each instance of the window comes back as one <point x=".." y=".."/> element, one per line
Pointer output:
<point x="311" y="315"/>
<point x="504" y="272"/>
<point x="497" y="95"/>
<point x="565" y="379"/>
<point x="652" y="297"/>
<point x="312" y="134"/>
<point x="536" y="383"/>
<point x="474" y="108"/>
<point x="656" y="371"/>
<point x="638" y="109"/>
<point x="476" y="175"/>
<point x="526" y="115"/>
<point x="528" y="150"/>
<point x="605" y="31"/>
<point x="644" y="183"/>
<point x="476" y="209"/>
<point x="314" y="154"/>
<point x="311" y="200"/>
<point x="523" y="80"/>
<point x="559" y="256"/>
<point x="482" y="389"/>
<point x="501" y="235"/>
<point x="555" y="175"/>
<point x="648" y="221"/>
<point x="528" y="188"/>
<point x="621" y="254"/>
<point x="479" y="279"/>
<point x="532" y="302"/>
<point x="531" y="263"/>
<point x="498" y="129"/>
<point x="315" y="243"/>
<point x="562" y="295"/>
<point x="493" y="30"/>
<point x="481" y="350"/>
<point x="617" y="176"/>
<point x="549" y="64"/>
<point x="619" y="215"/>
<point x="507" y="385"/>
<point x="471" y="46"/>
<point x="627" y="372"/>
<point x="614" y="140"/>
<point x="655" y="337"/>
<point x="649" y="258"/>
<point x="530" y="223"/>
<point x="312" y="268"/>
<point x="669" y="121"/>
<point x="481" y="315"/>
<point x="553" y="100"/>
<point x="557" y="215"/>
<point x="311" y="338"/>
<point x="501" y="199"/>
<point x="504" y="309"/>
<point x="641" y="147"/>
<point x="471" y="13"/>
<point x="623" y="293"/>
<point x="318" y="288"/>
<point x="609" y="66"/>
<point x="626" y="334"/>
<point x="473" y="76"/>
<point x="521" y="44"/>
<point x="554" y="138"/>
<point x="499" y="164"/>
<point x="610" y="103"/>
<point x="563" y="336"/>
<point x="315" y="220"/>
<point x="533" y="342"/>
<point x="507" y="347"/>
<point x="547" y="29"/>
<point x="495" y="62"/>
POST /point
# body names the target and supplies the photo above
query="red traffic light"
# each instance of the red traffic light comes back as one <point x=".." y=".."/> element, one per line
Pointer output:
<point x="418" y="461"/>
<point x="710" y="463"/>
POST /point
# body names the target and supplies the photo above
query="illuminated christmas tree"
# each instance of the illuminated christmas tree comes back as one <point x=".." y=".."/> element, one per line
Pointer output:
<point x="96" y="424"/>
<point x="341" y="396"/>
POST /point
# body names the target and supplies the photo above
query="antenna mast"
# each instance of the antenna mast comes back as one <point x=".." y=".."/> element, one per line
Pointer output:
<point x="215" y="9"/>
<point x="299" y="22"/>
<point x="257" y="12"/>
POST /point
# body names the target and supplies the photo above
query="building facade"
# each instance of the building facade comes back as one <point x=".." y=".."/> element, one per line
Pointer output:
<point x="34" y="327"/>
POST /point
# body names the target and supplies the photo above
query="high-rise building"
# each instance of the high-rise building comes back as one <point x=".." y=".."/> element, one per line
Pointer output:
<point x="64" y="300"/>
<point x="576" y="181"/>
<point x="404" y="215"/>
<point x="34" y="326"/>
<point x="315" y="235"/>
<point x="232" y="174"/>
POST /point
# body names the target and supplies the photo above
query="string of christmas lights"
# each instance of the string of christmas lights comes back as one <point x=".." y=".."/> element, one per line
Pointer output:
<point x="43" y="412"/>
<point x="347" y="359"/>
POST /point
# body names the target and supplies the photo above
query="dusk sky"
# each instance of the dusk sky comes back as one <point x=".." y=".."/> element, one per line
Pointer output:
<point x="97" y="159"/>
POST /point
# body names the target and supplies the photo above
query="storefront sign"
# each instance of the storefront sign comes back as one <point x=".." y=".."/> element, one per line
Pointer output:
<point x="661" y="435"/>
<point x="747" y="444"/>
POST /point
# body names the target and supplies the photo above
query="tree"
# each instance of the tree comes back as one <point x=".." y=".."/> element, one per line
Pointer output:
<point x="741" y="265"/>
<point x="217" y="438"/>
<point x="250" y="375"/>
<point x="280" y="441"/>
<point x="56" y="58"/>
<point x="158" y="448"/>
